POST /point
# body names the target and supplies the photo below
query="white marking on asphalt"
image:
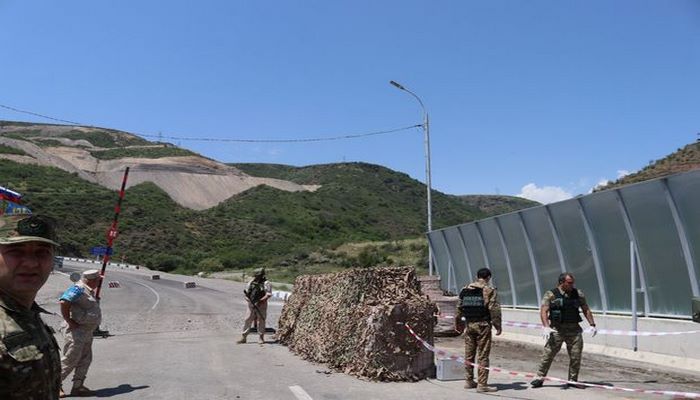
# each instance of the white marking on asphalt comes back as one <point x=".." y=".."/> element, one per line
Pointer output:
<point x="299" y="393"/>
<point x="152" y="290"/>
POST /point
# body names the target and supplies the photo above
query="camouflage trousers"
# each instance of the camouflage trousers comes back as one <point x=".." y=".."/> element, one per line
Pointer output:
<point x="574" y="346"/>
<point x="477" y="346"/>
<point x="77" y="353"/>
<point x="256" y="315"/>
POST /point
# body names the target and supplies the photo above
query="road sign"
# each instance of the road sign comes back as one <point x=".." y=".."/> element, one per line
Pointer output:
<point x="101" y="251"/>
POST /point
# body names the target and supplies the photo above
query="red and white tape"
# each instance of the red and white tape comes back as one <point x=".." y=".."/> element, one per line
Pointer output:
<point x="617" y="332"/>
<point x="687" y="395"/>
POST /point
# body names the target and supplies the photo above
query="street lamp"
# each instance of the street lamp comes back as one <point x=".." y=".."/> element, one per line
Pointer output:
<point x="426" y="130"/>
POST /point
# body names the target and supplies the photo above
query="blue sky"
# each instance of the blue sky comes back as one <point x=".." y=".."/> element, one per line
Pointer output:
<point x="538" y="98"/>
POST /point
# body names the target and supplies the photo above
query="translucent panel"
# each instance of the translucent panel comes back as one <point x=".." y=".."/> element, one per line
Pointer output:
<point x="454" y="242"/>
<point x="470" y="271"/>
<point x="519" y="260"/>
<point x="613" y="247"/>
<point x="576" y="249"/>
<point x="497" y="259"/>
<point x="441" y="261"/>
<point x="662" y="257"/>
<point x="474" y="251"/>
<point x="543" y="246"/>
<point x="659" y="248"/>
<point x="686" y="193"/>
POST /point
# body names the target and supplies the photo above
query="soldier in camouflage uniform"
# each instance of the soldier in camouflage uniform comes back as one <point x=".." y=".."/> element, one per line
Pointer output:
<point x="29" y="359"/>
<point x="477" y="312"/>
<point x="81" y="313"/>
<point x="257" y="291"/>
<point x="559" y="313"/>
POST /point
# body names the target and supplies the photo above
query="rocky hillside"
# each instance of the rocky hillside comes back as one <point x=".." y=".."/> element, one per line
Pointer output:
<point x="100" y="156"/>
<point x="683" y="159"/>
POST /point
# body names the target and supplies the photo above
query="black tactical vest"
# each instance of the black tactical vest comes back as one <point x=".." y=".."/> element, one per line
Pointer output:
<point x="565" y="309"/>
<point x="256" y="292"/>
<point x="471" y="302"/>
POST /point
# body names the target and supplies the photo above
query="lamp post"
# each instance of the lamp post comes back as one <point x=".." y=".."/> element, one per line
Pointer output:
<point x="426" y="131"/>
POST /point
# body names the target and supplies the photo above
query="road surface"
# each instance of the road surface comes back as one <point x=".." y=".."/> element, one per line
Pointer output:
<point x="173" y="342"/>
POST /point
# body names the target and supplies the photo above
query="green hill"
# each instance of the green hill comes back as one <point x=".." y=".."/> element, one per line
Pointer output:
<point x="360" y="214"/>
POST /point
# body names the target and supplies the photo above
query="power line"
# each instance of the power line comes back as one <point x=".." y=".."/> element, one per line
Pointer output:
<point x="298" y="140"/>
<point x="318" y="139"/>
<point x="39" y="115"/>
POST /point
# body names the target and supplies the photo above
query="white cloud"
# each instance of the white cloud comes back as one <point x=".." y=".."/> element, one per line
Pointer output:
<point x="622" y="172"/>
<point x="602" y="182"/>
<point x="545" y="194"/>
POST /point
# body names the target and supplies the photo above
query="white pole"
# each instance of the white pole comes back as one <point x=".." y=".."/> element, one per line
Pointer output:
<point x="426" y="131"/>
<point x="633" y="287"/>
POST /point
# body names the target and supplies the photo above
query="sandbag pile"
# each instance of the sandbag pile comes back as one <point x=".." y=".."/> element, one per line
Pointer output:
<point x="350" y="321"/>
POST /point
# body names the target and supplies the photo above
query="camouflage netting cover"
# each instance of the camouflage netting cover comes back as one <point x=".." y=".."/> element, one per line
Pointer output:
<point x="348" y="320"/>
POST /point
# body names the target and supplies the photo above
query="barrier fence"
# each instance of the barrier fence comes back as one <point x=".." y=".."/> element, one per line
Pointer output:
<point x="529" y="375"/>
<point x="591" y="237"/>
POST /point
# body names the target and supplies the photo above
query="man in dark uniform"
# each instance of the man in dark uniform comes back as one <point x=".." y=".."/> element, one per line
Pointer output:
<point x="477" y="312"/>
<point x="30" y="366"/>
<point x="560" y="318"/>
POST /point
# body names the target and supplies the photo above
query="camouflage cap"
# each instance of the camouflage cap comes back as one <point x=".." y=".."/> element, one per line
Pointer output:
<point x="259" y="272"/>
<point x="19" y="225"/>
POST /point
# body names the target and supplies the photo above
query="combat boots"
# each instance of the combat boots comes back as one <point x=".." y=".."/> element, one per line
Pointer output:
<point x="261" y="340"/>
<point x="486" y="389"/>
<point x="469" y="384"/>
<point x="241" y="340"/>
<point x="81" y="391"/>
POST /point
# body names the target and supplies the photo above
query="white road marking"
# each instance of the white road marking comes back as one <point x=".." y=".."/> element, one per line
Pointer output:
<point x="299" y="393"/>
<point x="152" y="290"/>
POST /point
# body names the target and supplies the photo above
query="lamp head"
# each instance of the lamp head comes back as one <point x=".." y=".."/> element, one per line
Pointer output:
<point x="397" y="85"/>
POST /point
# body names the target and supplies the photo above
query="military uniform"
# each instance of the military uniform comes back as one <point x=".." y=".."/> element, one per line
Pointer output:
<point x="477" y="328"/>
<point x="77" y="347"/>
<point x="568" y="332"/>
<point x="29" y="357"/>
<point x="257" y="312"/>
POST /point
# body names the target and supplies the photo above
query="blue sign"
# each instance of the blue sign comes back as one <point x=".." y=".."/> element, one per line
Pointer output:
<point x="101" y="251"/>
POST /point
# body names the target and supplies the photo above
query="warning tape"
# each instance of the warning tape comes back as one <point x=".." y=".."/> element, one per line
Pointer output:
<point x="616" y="332"/>
<point x="687" y="395"/>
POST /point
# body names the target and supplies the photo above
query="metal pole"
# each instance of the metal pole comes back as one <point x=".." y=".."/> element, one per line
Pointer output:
<point x="633" y="284"/>
<point x="426" y="131"/>
<point x="112" y="233"/>
<point x="426" y="128"/>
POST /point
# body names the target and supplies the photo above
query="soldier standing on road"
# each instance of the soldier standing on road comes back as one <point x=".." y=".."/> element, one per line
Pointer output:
<point x="560" y="317"/>
<point x="81" y="313"/>
<point x="29" y="358"/>
<point x="257" y="291"/>
<point x="477" y="312"/>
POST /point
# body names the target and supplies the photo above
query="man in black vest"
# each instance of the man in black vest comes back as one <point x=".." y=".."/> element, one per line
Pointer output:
<point x="560" y="317"/>
<point x="478" y="310"/>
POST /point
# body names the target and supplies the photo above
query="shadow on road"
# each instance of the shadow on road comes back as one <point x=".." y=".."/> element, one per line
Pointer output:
<point x="512" y="386"/>
<point x="121" y="389"/>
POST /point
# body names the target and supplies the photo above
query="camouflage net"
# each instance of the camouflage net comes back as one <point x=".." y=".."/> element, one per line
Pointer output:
<point x="349" y="320"/>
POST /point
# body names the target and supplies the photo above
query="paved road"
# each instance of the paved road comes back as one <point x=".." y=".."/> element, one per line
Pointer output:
<point x="172" y="342"/>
